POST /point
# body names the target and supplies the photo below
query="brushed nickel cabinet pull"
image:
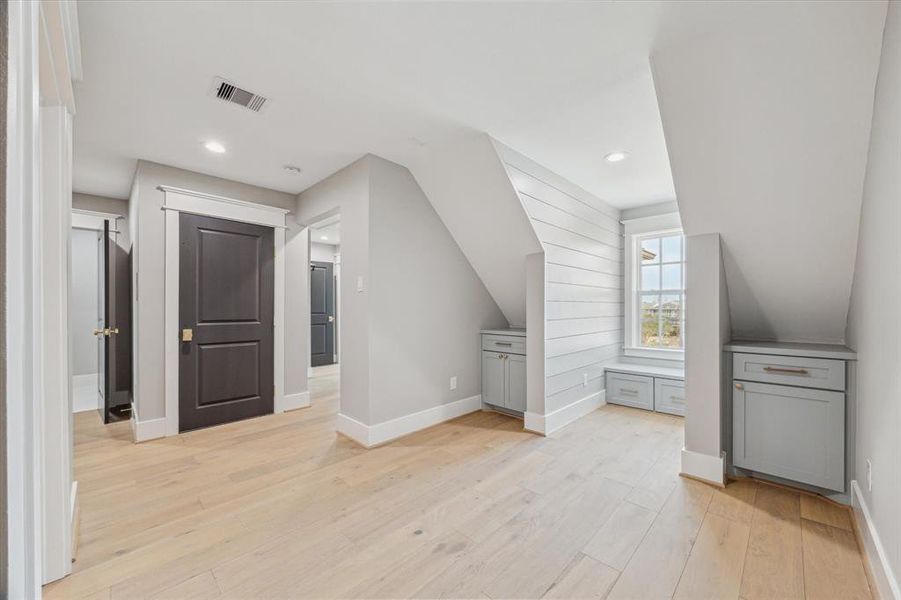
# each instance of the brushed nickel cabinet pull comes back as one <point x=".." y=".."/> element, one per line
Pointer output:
<point x="739" y="386"/>
<point x="629" y="391"/>
<point x="789" y="371"/>
<point x="503" y="343"/>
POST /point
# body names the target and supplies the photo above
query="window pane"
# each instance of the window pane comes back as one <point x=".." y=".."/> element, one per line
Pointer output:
<point x="672" y="333"/>
<point x="672" y="248"/>
<point x="650" y="334"/>
<point x="649" y="301"/>
<point x="650" y="278"/>
<point x="671" y="306"/>
<point x="672" y="277"/>
<point x="650" y="250"/>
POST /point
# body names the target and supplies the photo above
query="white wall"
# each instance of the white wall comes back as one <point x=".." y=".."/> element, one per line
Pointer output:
<point x="149" y="267"/>
<point x="874" y="325"/>
<point x="323" y="252"/>
<point x="84" y="301"/>
<point x="465" y="182"/>
<point x="708" y="317"/>
<point x="346" y="193"/>
<point x="113" y="206"/>
<point x="583" y="246"/>
<point x="768" y="149"/>
<point x="427" y="305"/>
<point x="417" y="321"/>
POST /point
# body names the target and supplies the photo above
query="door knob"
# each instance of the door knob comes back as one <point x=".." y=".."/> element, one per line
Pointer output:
<point x="187" y="335"/>
<point x="331" y="319"/>
<point x="98" y="332"/>
<point x="113" y="331"/>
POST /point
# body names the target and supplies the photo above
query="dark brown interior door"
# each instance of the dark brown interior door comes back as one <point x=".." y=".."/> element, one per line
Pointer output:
<point x="322" y="313"/>
<point x="226" y="298"/>
<point x="116" y="365"/>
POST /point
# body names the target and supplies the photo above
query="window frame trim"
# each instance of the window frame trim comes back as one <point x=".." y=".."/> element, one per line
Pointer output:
<point x="634" y="230"/>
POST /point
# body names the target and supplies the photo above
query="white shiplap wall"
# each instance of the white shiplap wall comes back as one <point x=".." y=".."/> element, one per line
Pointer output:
<point x="583" y="243"/>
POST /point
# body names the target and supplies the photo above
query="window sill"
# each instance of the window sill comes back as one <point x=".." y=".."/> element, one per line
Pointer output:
<point x="658" y="353"/>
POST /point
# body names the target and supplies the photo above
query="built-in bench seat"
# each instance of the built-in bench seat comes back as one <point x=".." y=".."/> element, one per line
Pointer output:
<point x="649" y="387"/>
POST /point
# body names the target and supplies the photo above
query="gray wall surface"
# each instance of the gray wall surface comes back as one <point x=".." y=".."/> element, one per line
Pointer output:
<point x="149" y="266"/>
<point x="417" y="322"/>
<point x="346" y="193"/>
<point x="4" y="559"/>
<point x="427" y="304"/>
<point x="583" y="245"/>
<point x="84" y="300"/>
<point x="873" y="320"/>
<point x="708" y="313"/>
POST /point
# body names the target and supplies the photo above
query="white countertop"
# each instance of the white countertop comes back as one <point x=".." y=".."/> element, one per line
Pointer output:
<point x="516" y="332"/>
<point x="836" y="351"/>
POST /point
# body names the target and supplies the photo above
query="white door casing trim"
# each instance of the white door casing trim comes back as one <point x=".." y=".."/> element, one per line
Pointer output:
<point x="178" y="200"/>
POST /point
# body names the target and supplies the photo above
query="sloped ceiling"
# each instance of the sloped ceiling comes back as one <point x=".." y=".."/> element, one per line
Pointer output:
<point x="767" y="128"/>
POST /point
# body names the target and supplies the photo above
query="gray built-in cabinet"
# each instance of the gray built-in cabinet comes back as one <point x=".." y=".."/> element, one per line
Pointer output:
<point x="504" y="370"/>
<point x="788" y="411"/>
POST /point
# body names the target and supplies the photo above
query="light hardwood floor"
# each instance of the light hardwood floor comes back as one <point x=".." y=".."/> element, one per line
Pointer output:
<point x="282" y="507"/>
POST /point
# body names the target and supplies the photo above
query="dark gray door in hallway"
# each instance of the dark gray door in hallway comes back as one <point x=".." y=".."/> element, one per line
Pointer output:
<point x="322" y="313"/>
<point x="226" y="297"/>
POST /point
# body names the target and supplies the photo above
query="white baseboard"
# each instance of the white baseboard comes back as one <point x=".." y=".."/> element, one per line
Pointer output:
<point x="148" y="430"/>
<point x="374" y="435"/>
<point x="551" y="422"/>
<point x="294" y="401"/>
<point x="85" y="395"/>
<point x="886" y="581"/>
<point x="704" y="467"/>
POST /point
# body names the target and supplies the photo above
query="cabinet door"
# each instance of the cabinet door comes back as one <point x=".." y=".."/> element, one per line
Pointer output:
<point x="790" y="432"/>
<point x="493" y="378"/>
<point x="516" y="382"/>
<point x="669" y="396"/>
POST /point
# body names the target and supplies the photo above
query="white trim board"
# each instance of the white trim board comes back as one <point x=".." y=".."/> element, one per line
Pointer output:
<point x="886" y="580"/>
<point x="560" y="418"/>
<point x="178" y="200"/>
<point x="295" y="401"/>
<point x="704" y="467"/>
<point x="369" y="436"/>
<point x="89" y="219"/>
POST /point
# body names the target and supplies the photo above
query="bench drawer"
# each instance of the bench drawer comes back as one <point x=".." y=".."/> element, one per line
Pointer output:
<point x="669" y="396"/>
<point x="511" y="344"/>
<point x="798" y="371"/>
<point x="630" y="390"/>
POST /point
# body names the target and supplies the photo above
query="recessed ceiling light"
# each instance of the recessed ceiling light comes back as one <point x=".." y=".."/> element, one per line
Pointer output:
<point x="292" y="169"/>
<point x="214" y="146"/>
<point x="323" y="237"/>
<point x="619" y="155"/>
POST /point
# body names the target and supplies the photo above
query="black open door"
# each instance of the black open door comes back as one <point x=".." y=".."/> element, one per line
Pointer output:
<point x="322" y="314"/>
<point x="116" y="365"/>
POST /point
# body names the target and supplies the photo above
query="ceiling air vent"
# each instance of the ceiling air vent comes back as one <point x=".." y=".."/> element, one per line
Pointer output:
<point x="228" y="91"/>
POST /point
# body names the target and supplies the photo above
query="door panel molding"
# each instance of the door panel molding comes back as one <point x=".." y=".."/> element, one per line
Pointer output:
<point x="178" y="200"/>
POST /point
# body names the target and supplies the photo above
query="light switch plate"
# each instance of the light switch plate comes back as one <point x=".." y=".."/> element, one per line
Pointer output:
<point x="453" y="382"/>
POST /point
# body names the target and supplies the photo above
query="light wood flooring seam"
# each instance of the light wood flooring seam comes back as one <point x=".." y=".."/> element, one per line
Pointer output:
<point x="282" y="507"/>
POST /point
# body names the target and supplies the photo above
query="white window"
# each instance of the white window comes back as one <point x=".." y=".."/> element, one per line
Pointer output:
<point x="655" y="288"/>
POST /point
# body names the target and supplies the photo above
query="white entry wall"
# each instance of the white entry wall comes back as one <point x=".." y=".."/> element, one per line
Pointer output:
<point x="84" y="305"/>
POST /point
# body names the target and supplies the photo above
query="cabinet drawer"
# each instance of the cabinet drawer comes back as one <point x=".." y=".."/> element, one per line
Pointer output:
<point x="511" y="344"/>
<point x="630" y="390"/>
<point x="669" y="396"/>
<point x="790" y="432"/>
<point x="821" y="373"/>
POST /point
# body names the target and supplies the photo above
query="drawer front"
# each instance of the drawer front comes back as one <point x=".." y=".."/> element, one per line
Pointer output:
<point x="790" y="432"/>
<point x="511" y="344"/>
<point x="790" y="370"/>
<point x="669" y="396"/>
<point x="630" y="390"/>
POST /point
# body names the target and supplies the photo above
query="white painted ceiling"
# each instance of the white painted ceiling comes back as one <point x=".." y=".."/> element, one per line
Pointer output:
<point x="562" y="83"/>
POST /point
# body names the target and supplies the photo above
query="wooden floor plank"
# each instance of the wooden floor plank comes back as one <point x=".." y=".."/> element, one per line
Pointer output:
<point x="283" y="507"/>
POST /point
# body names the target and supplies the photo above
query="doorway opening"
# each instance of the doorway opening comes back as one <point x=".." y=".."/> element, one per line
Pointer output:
<point x="100" y="317"/>
<point x="325" y="296"/>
